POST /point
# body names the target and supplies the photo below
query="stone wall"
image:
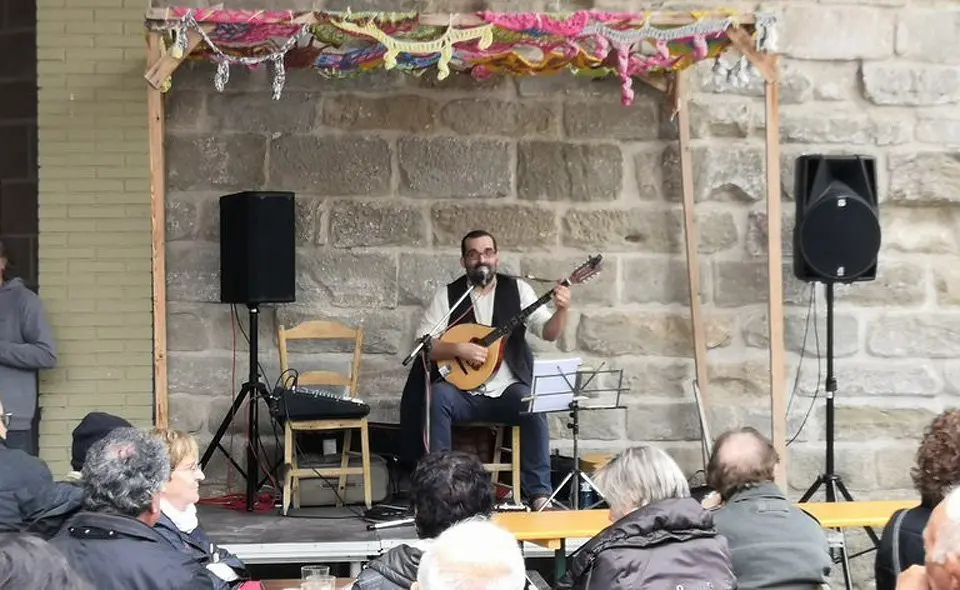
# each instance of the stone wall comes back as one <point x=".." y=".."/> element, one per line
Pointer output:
<point x="94" y="216"/>
<point x="390" y="172"/>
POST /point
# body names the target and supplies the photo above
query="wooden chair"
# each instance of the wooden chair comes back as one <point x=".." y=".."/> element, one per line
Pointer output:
<point x="497" y="464"/>
<point x="325" y="330"/>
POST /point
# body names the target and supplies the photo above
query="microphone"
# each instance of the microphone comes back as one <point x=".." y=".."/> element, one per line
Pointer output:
<point x="481" y="275"/>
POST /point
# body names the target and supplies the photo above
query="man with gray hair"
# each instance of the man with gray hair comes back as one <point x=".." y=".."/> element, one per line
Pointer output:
<point x="472" y="555"/>
<point x="112" y="544"/>
<point x="941" y="543"/>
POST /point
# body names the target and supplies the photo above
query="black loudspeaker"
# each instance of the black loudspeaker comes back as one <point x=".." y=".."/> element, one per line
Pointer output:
<point x="257" y="248"/>
<point x="836" y="238"/>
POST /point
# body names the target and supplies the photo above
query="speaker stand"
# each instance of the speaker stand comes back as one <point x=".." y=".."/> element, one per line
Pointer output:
<point x="256" y="390"/>
<point x="829" y="480"/>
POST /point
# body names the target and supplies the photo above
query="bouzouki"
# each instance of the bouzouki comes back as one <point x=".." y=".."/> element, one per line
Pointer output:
<point x="466" y="377"/>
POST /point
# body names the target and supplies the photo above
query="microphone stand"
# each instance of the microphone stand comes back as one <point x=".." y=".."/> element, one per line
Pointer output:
<point x="425" y="342"/>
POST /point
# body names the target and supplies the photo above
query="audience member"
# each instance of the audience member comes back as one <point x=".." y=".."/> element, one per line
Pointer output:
<point x="447" y="487"/>
<point x="178" y="521"/>
<point x="773" y="543"/>
<point x="26" y="346"/>
<point x="660" y="536"/>
<point x="112" y="544"/>
<point x="937" y="470"/>
<point x="29" y="498"/>
<point x="941" y="540"/>
<point x="92" y="428"/>
<point x="472" y="555"/>
<point x="30" y="563"/>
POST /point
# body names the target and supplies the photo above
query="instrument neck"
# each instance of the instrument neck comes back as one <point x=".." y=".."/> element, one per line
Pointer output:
<point x="521" y="317"/>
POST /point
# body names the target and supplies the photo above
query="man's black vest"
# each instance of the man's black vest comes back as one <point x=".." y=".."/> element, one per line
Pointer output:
<point x="517" y="355"/>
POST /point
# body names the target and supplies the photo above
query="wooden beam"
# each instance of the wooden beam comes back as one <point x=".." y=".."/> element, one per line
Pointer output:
<point x="160" y="68"/>
<point x="778" y="380"/>
<point x="691" y="237"/>
<point x="158" y="226"/>
<point x="469" y="19"/>
<point x="764" y="62"/>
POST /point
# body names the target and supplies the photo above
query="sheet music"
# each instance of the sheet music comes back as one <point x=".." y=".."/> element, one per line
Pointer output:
<point x="552" y="379"/>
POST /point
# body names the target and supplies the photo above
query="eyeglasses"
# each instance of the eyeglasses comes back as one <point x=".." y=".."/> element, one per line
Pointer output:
<point x="193" y="467"/>
<point x="474" y="255"/>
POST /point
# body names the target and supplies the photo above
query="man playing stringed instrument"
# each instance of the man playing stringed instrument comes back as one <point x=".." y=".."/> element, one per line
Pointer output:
<point x="494" y="300"/>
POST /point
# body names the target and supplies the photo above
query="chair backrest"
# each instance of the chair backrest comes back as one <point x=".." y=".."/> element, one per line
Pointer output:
<point x="323" y="330"/>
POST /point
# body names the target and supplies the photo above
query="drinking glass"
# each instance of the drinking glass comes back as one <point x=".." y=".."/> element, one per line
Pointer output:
<point x="308" y="573"/>
<point x="324" y="582"/>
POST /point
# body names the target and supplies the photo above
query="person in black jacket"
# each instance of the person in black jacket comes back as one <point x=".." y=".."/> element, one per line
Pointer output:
<point x="936" y="472"/>
<point x="660" y="536"/>
<point x="27" y="562"/>
<point x="178" y="522"/>
<point x="447" y="487"/>
<point x="29" y="498"/>
<point x="112" y="544"/>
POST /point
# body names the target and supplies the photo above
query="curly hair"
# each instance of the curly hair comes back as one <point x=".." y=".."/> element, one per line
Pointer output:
<point x="124" y="471"/>
<point x="449" y="487"/>
<point x="938" y="458"/>
<point x="752" y="462"/>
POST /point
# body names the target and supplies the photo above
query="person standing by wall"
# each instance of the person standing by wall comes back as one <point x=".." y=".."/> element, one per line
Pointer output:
<point x="26" y="346"/>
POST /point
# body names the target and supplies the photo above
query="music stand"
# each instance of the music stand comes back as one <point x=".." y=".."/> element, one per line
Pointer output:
<point x="553" y="391"/>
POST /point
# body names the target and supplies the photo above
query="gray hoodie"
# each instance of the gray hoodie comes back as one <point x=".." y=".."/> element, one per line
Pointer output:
<point x="26" y="345"/>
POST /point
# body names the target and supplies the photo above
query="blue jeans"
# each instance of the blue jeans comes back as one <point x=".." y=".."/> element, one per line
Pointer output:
<point x="449" y="406"/>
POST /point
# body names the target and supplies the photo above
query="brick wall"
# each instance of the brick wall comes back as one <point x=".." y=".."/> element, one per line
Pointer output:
<point x="94" y="214"/>
<point x="18" y="127"/>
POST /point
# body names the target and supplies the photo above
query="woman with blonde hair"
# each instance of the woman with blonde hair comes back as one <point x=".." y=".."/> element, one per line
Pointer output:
<point x="660" y="536"/>
<point x="178" y="522"/>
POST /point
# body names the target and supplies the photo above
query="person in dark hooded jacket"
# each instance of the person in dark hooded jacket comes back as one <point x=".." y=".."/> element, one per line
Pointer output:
<point x="661" y="538"/>
<point x="447" y="487"/>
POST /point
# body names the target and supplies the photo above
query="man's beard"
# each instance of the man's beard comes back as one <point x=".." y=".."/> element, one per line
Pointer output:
<point x="481" y="274"/>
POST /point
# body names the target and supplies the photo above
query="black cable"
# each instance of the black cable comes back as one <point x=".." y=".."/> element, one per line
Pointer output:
<point x="816" y="391"/>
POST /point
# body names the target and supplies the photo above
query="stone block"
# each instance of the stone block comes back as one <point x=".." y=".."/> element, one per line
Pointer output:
<point x="182" y="216"/>
<point x="855" y="464"/>
<point x="256" y="112"/>
<point x="311" y="226"/>
<point x="648" y="333"/>
<point x="347" y="279"/>
<point x="924" y="178"/>
<point x="383" y="331"/>
<point x="725" y="417"/>
<point x="831" y="126"/>
<point x="663" y="421"/>
<point x="930" y="335"/>
<point x="891" y="459"/>
<point x="869" y="423"/>
<point x="594" y="425"/>
<point x="219" y="407"/>
<point x="951" y="375"/>
<point x="202" y="374"/>
<point x="188" y="412"/>
<point x="362" y="113"/>
<point x="796" y="85"/>
<point x="756" y="332"/>
<point x="228" y="331"/>
<point x="923" y="35"/>
<point x="555" y="171"/>
<point x="333" y="166"/>
<point x="490" y="116"/>
<point x="659" y="279"/>
<point x="946" y="277"/>
<point x="901" y="83"/>
<point x="453" y="167"/>
<point x="939" y="126"/>
<point x="648" y="172"/>
<point x="601" y="290"/>
<point x="517" y="227"/>
<point x="729" y="382"/>
<point x="897" y="283"/>
<point x="733" y="117"/>
<point x="919" y="230"/>
<point x="462" y="83"/>
<point x="384" y="411"/>
<point x="566" y="85"/>
<point x="646" y="229"/>
<point x="382" y="378"/>
<point x="647" y="378"/>
<point x="226" y="162"/>
<point x="193" y="272"/>
<point x="868" y="33"/>
<point x="185" y="111"/>
<point x="734" y="174"/>
<point x="354" y="224"/>
<point x="421" y="274"/>
<point x="638" y="122"/>
<point x="755" y="238"/>
<point x="737" y="283"/>
<point x="887" y="379"/>
<point x="188" y="325"/>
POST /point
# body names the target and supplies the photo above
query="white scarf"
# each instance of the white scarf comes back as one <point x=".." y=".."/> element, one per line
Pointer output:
<point x="184" y="520"/>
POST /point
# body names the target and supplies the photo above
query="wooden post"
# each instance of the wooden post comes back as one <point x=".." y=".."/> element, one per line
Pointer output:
<point x="691" y="237"/>
<point x="158" y="226"/>
<point x="778" y="402"/>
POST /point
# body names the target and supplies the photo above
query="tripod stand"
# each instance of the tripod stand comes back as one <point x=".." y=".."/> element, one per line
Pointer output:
<point x="256" y="390"/>
<point x="576" y="475"/>
<point x="830" y="480"/>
